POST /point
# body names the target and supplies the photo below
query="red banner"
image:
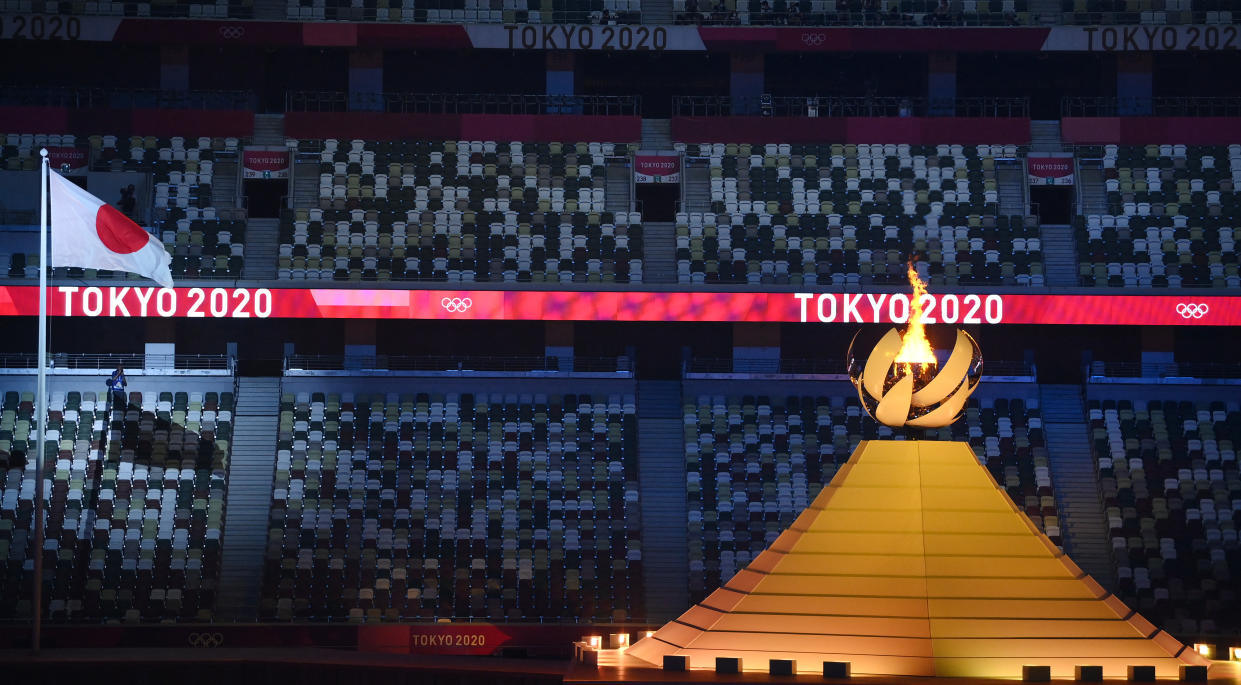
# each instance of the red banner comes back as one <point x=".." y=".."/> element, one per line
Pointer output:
<point x="480" y="639"/>
<point x="656" y="169"/>
<point x="527" y="305"/>
<point x="913" y="130"/>
<point x="1148" y="130"/>
<point x="265" y="163"/>
<point x="1050" y="171"/>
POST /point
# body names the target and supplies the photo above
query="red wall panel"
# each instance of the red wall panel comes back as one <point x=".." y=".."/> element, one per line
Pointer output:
<point x="912" y="130"/>
<point x="34" y="120"/>
<point x="1148" y="130"/>
<point x="123" y="122"/>
<point x="526" y="127"/>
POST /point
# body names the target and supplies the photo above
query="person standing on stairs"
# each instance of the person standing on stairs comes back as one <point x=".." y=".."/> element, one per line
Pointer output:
<point x="116" y="389"/>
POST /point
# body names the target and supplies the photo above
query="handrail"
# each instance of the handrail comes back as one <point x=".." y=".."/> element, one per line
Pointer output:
<point x="858" y="17"/>
<point x="824" y="367"/>
<point x="510" y="363"/>
<point x="71" y="360"/>
<point x="1111" y="106"/>
<point x="847" y="106"/>
<point x="1162" y="370"/>
<point x="421" y="15"/>
<point x="126" y="98"/>
<point x="462" y="103"/>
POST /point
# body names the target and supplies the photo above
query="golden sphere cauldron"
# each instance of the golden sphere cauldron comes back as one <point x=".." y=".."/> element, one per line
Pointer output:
<point x="898" y="390"/>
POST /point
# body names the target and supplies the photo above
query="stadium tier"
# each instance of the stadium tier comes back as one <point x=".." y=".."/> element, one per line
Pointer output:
<point x="499" y="507"/>
<point x="849" y="214"/>
<point x="526" y="506"/>
<point x="135" y="508"/>
<point x="909" y="13"/>
<point x="1171" y="213"/>
<point x="462" y="211"/>
<point x="1169" y="479"/>
<point x="769" y="214"/>
<point x="1147" y="12"/>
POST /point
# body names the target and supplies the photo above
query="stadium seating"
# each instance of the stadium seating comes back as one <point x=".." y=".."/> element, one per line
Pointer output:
<point x="1147" y="12"/>
<point x="235" y="9"/>
<point x="134" y="526"/>
<point x="469" y="11"/>
<point x="851" y="214"/>
<point x="1169" y="478"/>
<point x="205" y="242"/>
<point x="461" y="211"/>
<point x="499" y="507"/>
<point x="1172" y="209"/>
<point x="887" y="12"/>
<point x="753" y="463"/>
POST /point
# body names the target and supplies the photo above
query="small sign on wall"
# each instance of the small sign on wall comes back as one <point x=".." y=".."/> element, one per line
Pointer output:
<point x="265" y="164"/>
<point x="1050" y="171"/>
<point x="656" y="169"/>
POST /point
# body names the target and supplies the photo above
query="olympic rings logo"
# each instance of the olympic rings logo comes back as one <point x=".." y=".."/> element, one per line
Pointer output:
<point x="813" y="39"/>
<point x="232" y="32"/>
<point x="1192" y="310"/>
<point x="456" y="304"/>
<point x="205" y="639"/>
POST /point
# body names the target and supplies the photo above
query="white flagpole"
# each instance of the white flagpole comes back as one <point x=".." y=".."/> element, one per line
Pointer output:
<point x="40" y="408"/>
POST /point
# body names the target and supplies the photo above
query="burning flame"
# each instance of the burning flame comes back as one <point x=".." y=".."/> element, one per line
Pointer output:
<point x="915" y="348"/>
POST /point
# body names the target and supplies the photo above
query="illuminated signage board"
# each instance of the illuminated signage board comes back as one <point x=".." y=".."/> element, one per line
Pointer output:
<point x="533" y="305"/>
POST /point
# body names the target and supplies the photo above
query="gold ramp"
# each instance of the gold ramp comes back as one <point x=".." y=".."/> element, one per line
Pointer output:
<point x="913" y="561"/>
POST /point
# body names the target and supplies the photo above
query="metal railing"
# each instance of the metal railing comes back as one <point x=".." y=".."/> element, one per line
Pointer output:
<point x="1155" y="106"/>
<point x="856" y="16"/>
<point x="462" y="103"/>
<point x="107" y="362"/>
<point x="508" y="364"/>
<point x="126" y="98"/>
<point x="847" y="106"/>
<point x="1163" y="370"/>
<point x="818" y="367"/>
<point x="1113" y="18"/>
<point x="767" y="366"/>
<point x="19" y="217"/>
<point x="167" y="10"/>
<point x="421" y="15"/>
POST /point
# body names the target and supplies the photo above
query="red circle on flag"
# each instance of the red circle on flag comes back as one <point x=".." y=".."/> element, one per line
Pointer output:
<point x="117" y="232"/>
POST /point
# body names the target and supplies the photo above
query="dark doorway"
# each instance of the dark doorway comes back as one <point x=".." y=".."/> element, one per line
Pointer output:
<point x="1054" y="203"/>
<point x="658" y="201"/>
<point x="265" y="197"/>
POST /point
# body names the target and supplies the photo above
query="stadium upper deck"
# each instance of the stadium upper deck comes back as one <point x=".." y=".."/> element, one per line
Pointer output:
<point x="723" y="13"/>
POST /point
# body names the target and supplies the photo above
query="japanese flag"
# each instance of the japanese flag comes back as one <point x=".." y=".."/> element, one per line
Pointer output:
<point x="91" y="234"/>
